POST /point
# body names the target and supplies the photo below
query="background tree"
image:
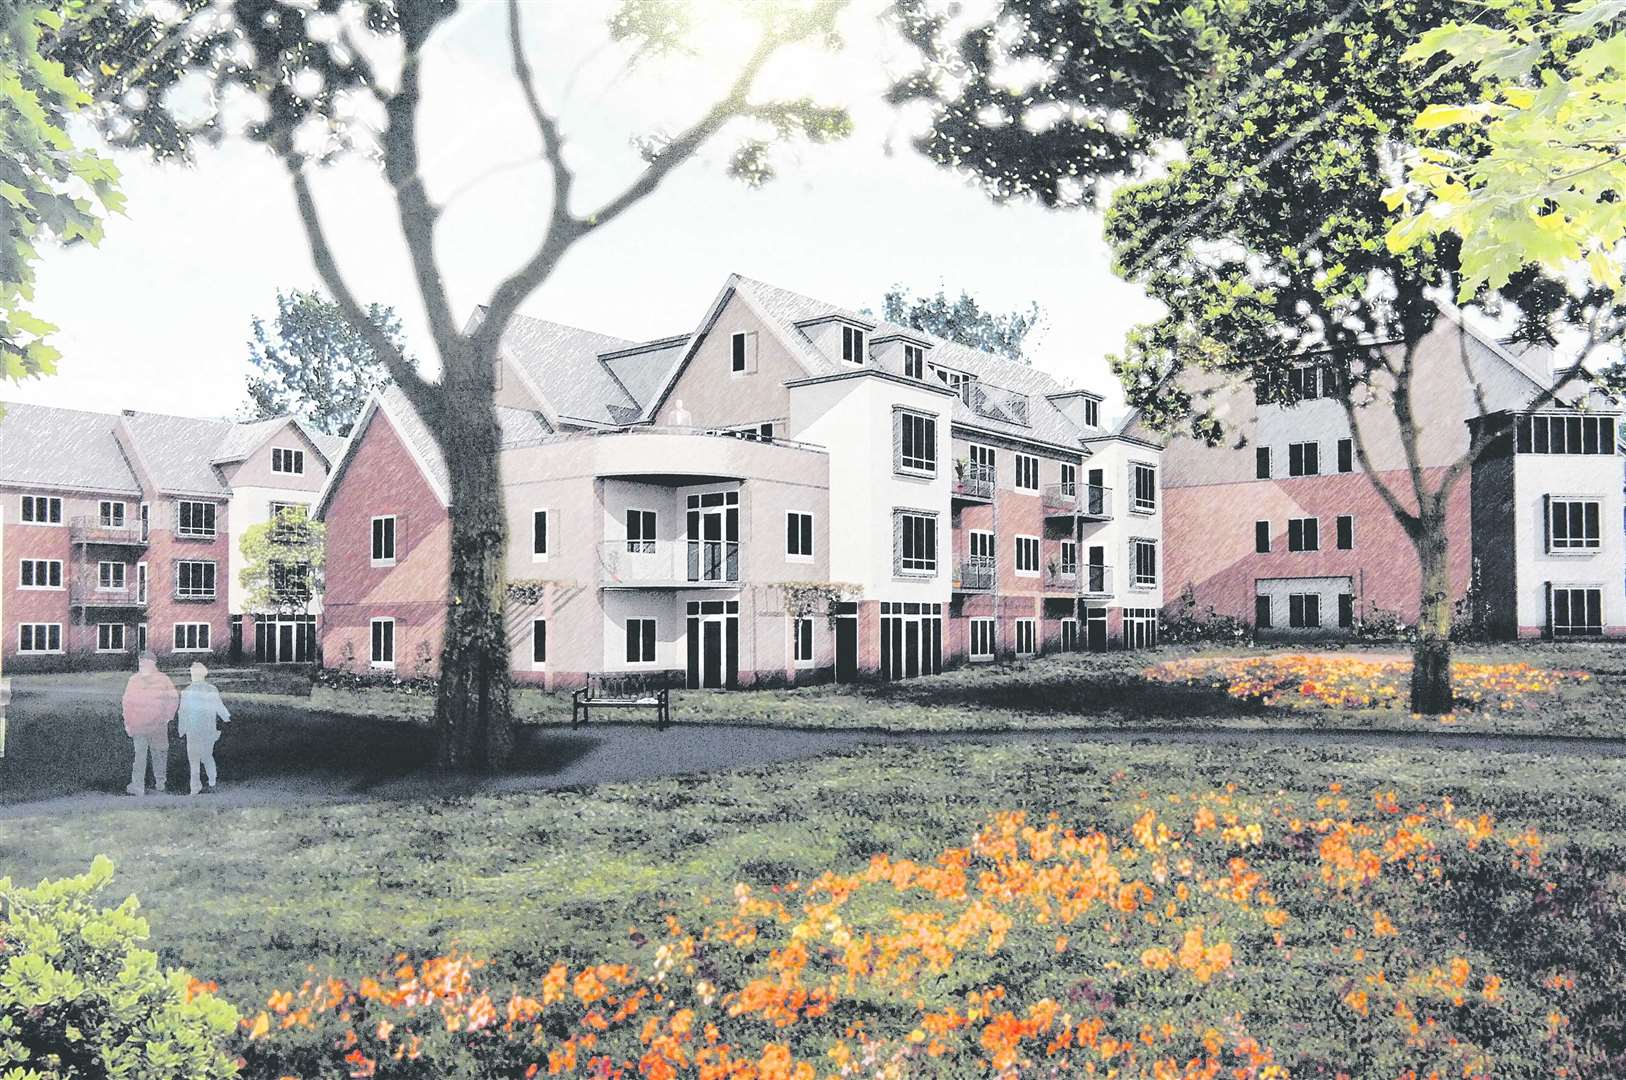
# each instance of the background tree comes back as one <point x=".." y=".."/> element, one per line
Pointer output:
<point x="963" y="320"/>
<point x="316" y="67"/>
<point x="313" y="363"/>
<point x="1264" y="236"/>
<point x="284" y="562"/>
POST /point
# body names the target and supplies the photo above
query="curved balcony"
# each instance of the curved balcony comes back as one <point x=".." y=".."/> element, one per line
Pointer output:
<point x="668" y="564"/>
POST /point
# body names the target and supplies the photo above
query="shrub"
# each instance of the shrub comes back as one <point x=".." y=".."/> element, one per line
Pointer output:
<point x="1185" y="623"/>
<point x="340" y="678"/>
<point x="79" y="998"/>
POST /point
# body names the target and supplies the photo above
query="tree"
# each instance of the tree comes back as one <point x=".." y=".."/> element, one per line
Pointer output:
<point x="50" y="190"/>
<point x="315" y="364"/>
<point x="315" y="69"/>
<point x="963" y="320"/>
<point x="283" y="563"/>
<point x="1264" y="234"/>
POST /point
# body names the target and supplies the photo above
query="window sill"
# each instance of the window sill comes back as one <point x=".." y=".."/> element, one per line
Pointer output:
<point x="196" y="536"/>
<point x="377" y="665"/>
<point x="534" y="558"/>
<point x="806" y="665"/>
<point x="1026" y="573"/>
<point x="915" y="474"/>
<point x="380" y="564"/>
<point x="804" y="559"/>
<point x="1574" y="553"/>
<point x="42" y="588"/>
<point x="914" y="575"/>
<point x="1143" y="511"/>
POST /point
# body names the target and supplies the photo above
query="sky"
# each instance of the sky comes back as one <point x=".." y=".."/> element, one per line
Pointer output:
<point x="158" y="316"/>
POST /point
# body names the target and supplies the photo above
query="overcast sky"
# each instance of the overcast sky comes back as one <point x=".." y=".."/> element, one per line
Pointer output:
<point x="158" y="316"/>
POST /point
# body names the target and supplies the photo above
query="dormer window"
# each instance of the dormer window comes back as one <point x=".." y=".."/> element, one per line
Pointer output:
<point x="852" y="344"/>
<point x="954" y="380"/>
<point x="914" y="361"/>
<point x="1092" y="413"/>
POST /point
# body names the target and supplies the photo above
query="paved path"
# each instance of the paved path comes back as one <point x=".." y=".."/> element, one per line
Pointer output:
<point x="615" y="753"/>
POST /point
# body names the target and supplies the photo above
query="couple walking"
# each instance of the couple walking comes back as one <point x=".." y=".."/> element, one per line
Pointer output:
<point x="150" y="703"/>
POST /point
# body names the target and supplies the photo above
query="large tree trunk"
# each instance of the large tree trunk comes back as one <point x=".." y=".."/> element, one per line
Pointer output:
<point x="472" y="718"/>
<point x="1431" y="689"/>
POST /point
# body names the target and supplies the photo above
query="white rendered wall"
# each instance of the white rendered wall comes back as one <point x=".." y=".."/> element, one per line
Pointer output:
<point x="1593" y="477"/>
<point x="251" y="506"/>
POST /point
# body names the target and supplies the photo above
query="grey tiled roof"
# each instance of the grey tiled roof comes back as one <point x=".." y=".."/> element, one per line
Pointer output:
<point x="644" y="372"/>
<point x="520" y="427"/>
<point x="564" y="363"/>
<point x="63" y="448"/>
<point x="178" y="451"/>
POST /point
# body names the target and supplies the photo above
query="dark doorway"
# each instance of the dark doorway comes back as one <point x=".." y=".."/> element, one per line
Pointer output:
<point x="846" y="648"/>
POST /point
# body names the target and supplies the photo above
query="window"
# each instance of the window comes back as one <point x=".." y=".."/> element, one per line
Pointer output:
<point x="1565" y="435"/>
<point x="640" y="532"/>
<point x="42" y="510"/>
<point x="1069" y="635"/>
<point x="1140" y="628"/>
<point x="917" y="443"/>
<point x="1304" y="459"/>
<point x="39" y="638"/>
<point x="916" y="547"/>
<point x="277" y="509"/>
<point x="1304" y="534"/>
<point x="539" y="643"/>
<point x="141" y="583"/>
<point x="110" y="637"/>
<point x="539" y="536"/>
<point x="383" y="654"/>
<point x="1346" y="455"/>
<point x="737" y="353"/>
<point x="285" y="460"/>
<point x="1303" y="383"/>
<point x="1143" y="563"/>
<point x="1027" y="472"/>
<point x="41" y="574"/>
<point x="384" y="540"/>
<point x="1069" y="479"/>
<point x="111" y="514"/>
<point x="1092" y="413"/>
<point x="191" y="637"/>
<point x="1143" y="485"/>
<point x="911" y="639"/>
<point x="984" y="461"/>
<point x="852" y="344"/>
<point x="110" y="576"/>
<point x="291" y="582"/>
<point x="1261" y="537"/>
<point x="195" y="520"/>
<point x="1304" y="611"/>
<point x="914" y="361"/>
<point x="194" y="580"/>
<point x="1261" y="612"/>
<point x="1027" y="556"/>
<point x="1069" y="558"/>
<point x="1027" y="637"/>
<point x="799" y="536"/>
<point x="802" y="645"/>
<point x="1346" y="611"/>
<point x="982" y="639"/>
<point x="640" y="641"/>
<point x="1575" y="612"/>
<point x="1261" y="463"/>
<point x="1346" y="532"/>
<point x="1573" y="525"/>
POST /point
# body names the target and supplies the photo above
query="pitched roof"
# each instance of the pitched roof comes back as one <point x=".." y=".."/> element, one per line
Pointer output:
<point x="177" y="451"/>
<point x="245" y="438"/>
<point x="62" y="448"/>
<point x="562" y="363"/>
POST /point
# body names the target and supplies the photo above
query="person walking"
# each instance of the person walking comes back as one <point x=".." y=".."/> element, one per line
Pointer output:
<point x="150" y="699"/>
<point x="200" y="708"/>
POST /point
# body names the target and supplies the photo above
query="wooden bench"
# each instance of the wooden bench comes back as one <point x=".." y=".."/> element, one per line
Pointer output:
<point x="625" y="690"/>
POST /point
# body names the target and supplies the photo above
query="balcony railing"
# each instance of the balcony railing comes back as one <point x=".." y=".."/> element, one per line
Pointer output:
<point x="91" y="530"/>
<point x="1079" y="500"/>
<point x="670" y="563"/>
<point x="973" y="480"/>
<point x="89" y="592"/>
<point x="976" y="575"/>
<point x="1094" y="580"/>
<point x="996" y="403"/>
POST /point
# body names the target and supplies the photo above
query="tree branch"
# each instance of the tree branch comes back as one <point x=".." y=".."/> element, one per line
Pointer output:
<point x="546" y="126"/>
<point x="1408" y="520"/>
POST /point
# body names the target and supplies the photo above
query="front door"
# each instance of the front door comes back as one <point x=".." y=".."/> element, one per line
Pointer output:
<point x="1096" y="629"/>
<point x="846" y="648"/>
<point x="714" y="644"/>
<point x="285" y="644"/>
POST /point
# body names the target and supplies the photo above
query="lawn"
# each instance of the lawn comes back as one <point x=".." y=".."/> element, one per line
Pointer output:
<point x="251" y="896"/>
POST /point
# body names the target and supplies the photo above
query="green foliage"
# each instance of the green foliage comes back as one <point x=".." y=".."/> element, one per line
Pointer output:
<point x="1547" y="184"/>
<point x="311" y="362"/>
<point x="1187" y="622"/>
<point x="284" y="560"/>
<point x="80" y="999"/>
<point x="51" y="191"/>
<point x="963" y="320"/>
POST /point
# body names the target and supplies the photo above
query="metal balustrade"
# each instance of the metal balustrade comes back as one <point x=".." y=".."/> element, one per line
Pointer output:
<point x="668" y="563"/>
<point x="1091" y="501"/>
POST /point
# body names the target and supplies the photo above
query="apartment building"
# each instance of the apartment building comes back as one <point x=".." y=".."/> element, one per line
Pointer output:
<point x="120" y="533"/>
<point x="791" y="491"/>
<point x="1281" y="528"/>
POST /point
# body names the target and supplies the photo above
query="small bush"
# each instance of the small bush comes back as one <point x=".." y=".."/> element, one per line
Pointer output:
<point x="345" y="679"/>
<point x="80" y="998"/>
<point x="1185" y="623"/>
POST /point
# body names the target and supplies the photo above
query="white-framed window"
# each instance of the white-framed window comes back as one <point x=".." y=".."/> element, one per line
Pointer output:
<point x="384" y="540"/>
<point x="191" y="637"/>
<point x="195" y="579"/>
<point x="984" y="459"/>
<point x="1027" y="556"/>
<point x="640" y="641"/>
<point x="1027" y="472"/>
<point x="383" y="644"/>
<point x="40" y="574"/>
<point x="982" y="545"/>
<point x="852" y="344"/>
<point x="110" y="513"/>
<point x="1069" y="558"/>
<point x="1304" y="534"/>
<point x="277" y="509"/>
<point x="1261" y="463"/>
<point x="1565" y="435"/>
<point x="914" y="361"/>
<point x="640" y="532"/>
<point x="287" y="460"/>
<point x="1573" y="524"/>
<point x="917" y="443"/>
<point x="742" y="353"/>
<point x="954" y="380"/>
<point x="42" y="510"/>
<point x="915" y="549"/>
<point x="983" y="633"/>
<point x="110" y="637"/>
<point x="802" y="641"/>
<point x="1070" y="637"/>
<point x="1143" y="563"/>
<point x="539" y="644"/>
<point x="141" y="583"/>
<point x="1069" y="479"/>
<point x="1027" y="637"/>
<point x="1574" y="610"/>
<point x="798" y="536"/>
<point x="1261" y="537"/>
<point x="110" y="576"/>
<point x="540" y="539"/>
<point x="195" y="520"/>
<point x="1304" y="611"/>
<point x="1143" y="488"/>
<point x="1304" y="459"/>
<point x="39" y="638"/>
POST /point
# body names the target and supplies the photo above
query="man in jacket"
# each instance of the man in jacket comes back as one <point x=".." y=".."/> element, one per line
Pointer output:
<point x="150" y="700"/>
<point x="200" y="708"/>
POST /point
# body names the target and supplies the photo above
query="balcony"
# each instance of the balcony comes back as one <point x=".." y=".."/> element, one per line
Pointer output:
<point x="88" y="592"/>
<point x="975" y="574"/>
<point x="1094" y="580"/>
<point x="973" y="482"/>
<point x="669" y="564"/>
<point x="1090" y="502"/>
<point x="92" y="530"/>
<point x="995" y="402"/>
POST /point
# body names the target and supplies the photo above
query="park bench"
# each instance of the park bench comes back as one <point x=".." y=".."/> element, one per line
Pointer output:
<point x="625" y="690"/>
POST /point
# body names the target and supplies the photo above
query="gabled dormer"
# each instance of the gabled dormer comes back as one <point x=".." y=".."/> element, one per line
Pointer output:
<point x="904" y="354"/>
<point x="839" y="337"/>
<point x="1081" y="407"/>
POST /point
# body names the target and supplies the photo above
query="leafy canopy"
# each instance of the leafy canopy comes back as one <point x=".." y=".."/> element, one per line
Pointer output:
<point x="311" y="362"/>
<point x="284" y="562"/>
<point x="963" y="320"/>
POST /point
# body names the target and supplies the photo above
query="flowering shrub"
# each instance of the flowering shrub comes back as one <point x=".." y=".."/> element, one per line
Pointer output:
<point x="1203" y="935"/>
<point x="1338" y="682"/>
